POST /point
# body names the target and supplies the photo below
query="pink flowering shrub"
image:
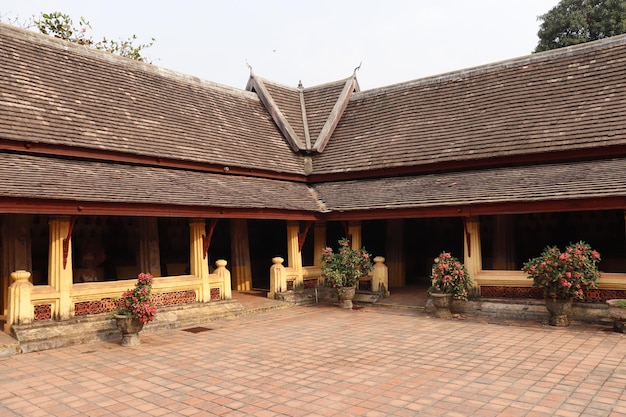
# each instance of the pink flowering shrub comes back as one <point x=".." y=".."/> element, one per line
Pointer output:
<point x="344" y="268"/>
<point x="564" y="275"/>
<point x="137" y="302"/>
<point x="450" y="276"/>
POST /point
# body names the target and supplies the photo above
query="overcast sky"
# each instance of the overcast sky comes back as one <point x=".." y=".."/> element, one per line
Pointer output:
<point x="315" y="41"/>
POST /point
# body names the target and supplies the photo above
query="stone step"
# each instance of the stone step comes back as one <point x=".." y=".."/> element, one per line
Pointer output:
<point x="8" y="346"/>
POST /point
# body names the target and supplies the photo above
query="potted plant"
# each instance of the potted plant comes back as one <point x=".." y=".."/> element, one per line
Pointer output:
<point x="617" y="311"/>
<point x="449" y="279"/>
<point x="564" y="276"/>
<point x="134" y="309"/>
<point x="342" y="269"/>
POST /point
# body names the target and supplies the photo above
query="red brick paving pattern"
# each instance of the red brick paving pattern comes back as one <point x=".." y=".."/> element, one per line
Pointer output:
<point x="325" y="361"/>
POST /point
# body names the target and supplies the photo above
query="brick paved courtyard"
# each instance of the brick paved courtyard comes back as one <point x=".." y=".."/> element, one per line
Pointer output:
<point x="324" y="361"/>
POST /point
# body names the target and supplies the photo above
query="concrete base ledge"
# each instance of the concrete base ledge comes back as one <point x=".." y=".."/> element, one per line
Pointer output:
<point x="323" y="294"/>
<point x="52" y="334"/>
<point x="522" y="309"/>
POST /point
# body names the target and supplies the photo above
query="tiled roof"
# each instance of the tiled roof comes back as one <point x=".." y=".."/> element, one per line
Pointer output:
<point x="537" y="183"/>
<point x="56" y="92"/>
<point x="567" y="99"/>
<point x="51" y="178"/>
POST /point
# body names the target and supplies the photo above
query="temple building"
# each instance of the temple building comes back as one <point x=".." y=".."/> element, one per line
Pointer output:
<point x="110" y="167"/>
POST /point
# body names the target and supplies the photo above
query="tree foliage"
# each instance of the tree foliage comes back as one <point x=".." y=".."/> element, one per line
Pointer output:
<point x="576" y="21"/>
<point x="61" y="26"/>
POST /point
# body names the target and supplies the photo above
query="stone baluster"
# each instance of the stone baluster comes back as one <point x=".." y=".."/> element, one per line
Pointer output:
<point x="278" y="277"/>
<point x="380" y="276"/>
<point x="20" y="307"/>
<point x="224" y="275"/>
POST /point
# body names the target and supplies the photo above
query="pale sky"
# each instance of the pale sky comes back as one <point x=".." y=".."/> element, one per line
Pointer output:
<point x="315" y="41"/>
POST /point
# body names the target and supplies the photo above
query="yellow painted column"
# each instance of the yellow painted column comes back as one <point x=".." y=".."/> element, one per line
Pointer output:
<point x="198" y="264"/>
<point x="354" y="230"/>
<point x="395" y="259"/>
<point x="319" y="242"/>
<point x="60" y="275"/>
<point x="472" y="250"/>
<point x="504" y="243"/>
<point x="294" y="257"/>
<point x="240" y="252"/>
<point x="149" y="254"/>
<point x="16" y="250"/>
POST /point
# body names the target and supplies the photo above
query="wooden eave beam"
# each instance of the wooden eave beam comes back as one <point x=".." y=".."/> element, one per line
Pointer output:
<point x="67" y="207"/>
<point x="42" y="149"/>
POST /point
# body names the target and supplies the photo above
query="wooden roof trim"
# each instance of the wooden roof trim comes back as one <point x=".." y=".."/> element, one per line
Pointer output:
<point x="72" y="207"/>
<point x="34" y="148"/>
<point x="256" y="84"/>
<point x="305" y="121"/>
<point x="349" y="88"/>
<point x="551" y="206"/>
<point x="471" y="164"/>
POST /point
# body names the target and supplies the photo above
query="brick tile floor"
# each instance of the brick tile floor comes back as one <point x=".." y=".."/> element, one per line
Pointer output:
<point x="325" y="361"/>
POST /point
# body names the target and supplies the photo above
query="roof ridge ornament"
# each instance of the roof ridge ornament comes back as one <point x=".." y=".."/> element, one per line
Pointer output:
<point x="250" y="68"/>
<point x="356" y="69"/>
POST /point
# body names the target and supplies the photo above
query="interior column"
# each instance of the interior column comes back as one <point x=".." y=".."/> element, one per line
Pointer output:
<point x="504" y="243"/>
<point x="149" y="254"/>
<point x="240" y="252"/>
<point x="395" y="258"/>
<point x="354" y="231"/>
<point x="319" y="242"/>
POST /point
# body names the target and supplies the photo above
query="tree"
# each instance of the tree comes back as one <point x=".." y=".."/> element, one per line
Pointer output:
<point x="60" y="25"/>
<point x="576" y="21"/>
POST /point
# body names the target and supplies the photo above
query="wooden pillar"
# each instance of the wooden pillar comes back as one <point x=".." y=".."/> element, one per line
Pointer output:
<point x="504" y="243"/>
<point x="240" y="251"/>
<point x="472" y="250"/>
<point x="354" y="230"/>
<point x="198" y="263"/>
<point x="149" y="255"/>
<point x="319" y="242"/>
<point x="395" y="259"/>
<point x="60" y="265"/>
<point x="16" y="251"/>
